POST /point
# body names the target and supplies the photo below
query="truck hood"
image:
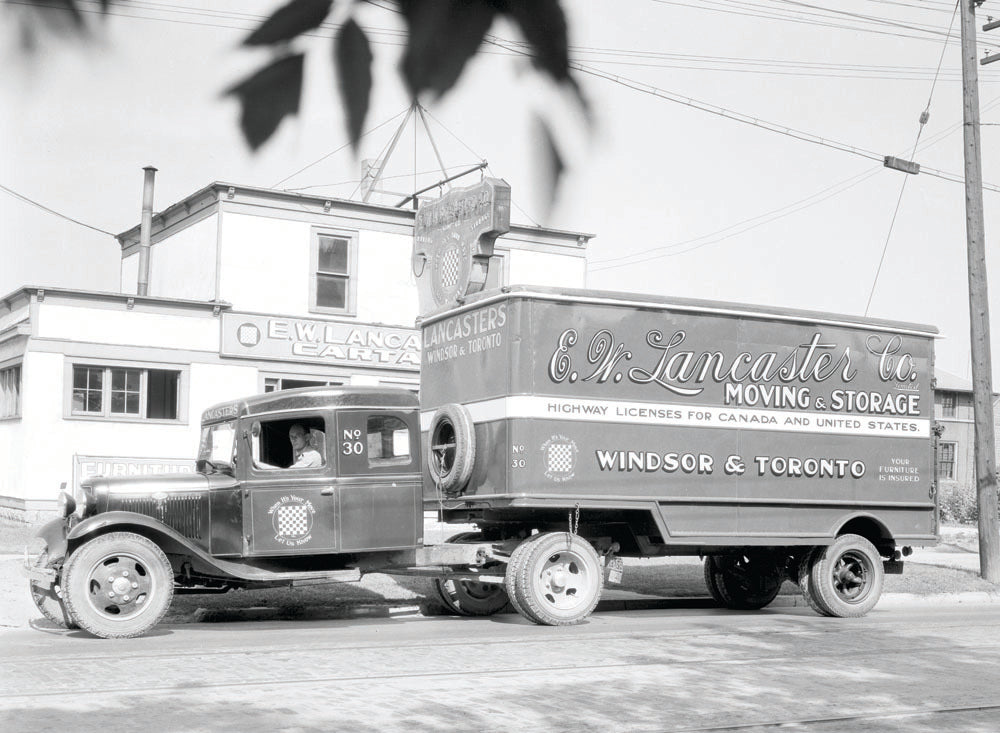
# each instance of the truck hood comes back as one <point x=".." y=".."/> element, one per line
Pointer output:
<point x="105" y="489"/>
<point x="161" y="482"/>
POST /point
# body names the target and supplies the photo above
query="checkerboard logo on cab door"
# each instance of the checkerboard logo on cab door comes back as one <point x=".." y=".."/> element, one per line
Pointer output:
<point x="292" y="520"/>
<point x="560" y="455"/>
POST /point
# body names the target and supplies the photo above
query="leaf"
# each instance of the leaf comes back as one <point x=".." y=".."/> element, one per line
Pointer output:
<point x="289" y="21"/>
<point x="354" y="75"/>
<point x="63" y="13"/>
<point x="550" y="163"/>
<point x="267" y="97"/>
<point x="543" y="26"/>
<point x="443" y="36"/>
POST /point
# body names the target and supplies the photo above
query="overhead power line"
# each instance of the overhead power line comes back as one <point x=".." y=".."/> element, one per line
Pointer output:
<point x="759" y="123"/>
<point x="45" y="208"/>
<point x="212" y="18"/>
<point x="689" y="245"/>
<point x="337" y="150"/>
<point x="925" y="115"/>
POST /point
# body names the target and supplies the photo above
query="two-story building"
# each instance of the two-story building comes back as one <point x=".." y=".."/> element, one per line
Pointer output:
<point x="249" y="290"/>
<point x="956" y="458"/>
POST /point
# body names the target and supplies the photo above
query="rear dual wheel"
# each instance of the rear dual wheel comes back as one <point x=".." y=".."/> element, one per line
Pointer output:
<point x="744" y="581"/>
<point x="844" y="579"/>
<point x="470" y="597"/>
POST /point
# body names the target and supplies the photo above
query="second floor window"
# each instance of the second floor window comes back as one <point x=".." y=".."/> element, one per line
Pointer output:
<point x="125" y="392"/>
<point x="949" y="404"/>
<point x="333" y="277"/>
<point x="10" y="392"/>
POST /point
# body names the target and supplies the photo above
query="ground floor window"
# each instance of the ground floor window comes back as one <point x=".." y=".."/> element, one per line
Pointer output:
<point x="125" y="392"/>
<point x="946" y="461"/>
<point x="10" y="391"/>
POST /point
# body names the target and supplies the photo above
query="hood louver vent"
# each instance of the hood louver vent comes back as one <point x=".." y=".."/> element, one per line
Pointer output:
<point x="182" y="513"/>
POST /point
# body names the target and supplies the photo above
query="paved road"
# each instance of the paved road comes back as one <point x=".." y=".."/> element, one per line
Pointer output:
<point x="923" y="668"/>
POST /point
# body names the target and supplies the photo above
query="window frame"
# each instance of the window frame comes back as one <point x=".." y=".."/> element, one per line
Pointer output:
<point x="256" y="470"/>
<point x="351" y="296"/>
<point x="941" y="462"/>
<point x="266" y="377"/>
<point x="949" y="410"/>
<point x="106" y="415"/>
<point x="16" y="369"/>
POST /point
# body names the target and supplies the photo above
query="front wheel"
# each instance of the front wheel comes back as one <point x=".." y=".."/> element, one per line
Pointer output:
<point x="846" y="578"/>
<point x="47" y="596"/>
<point x="118" y="585"/>
<point x="556" y="580"/>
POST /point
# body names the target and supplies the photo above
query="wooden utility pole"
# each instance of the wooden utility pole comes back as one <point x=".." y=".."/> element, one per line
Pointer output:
<point x="979" y="314"/>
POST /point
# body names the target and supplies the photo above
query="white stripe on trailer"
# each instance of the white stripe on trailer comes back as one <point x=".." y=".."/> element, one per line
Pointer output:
<point x="690" y="416"/>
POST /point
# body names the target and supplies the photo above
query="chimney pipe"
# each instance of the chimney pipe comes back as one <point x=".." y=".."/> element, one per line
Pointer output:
<point x="145" y="226"/>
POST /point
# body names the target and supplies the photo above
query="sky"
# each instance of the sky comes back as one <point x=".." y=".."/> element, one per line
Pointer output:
<point x="734" y="153"/>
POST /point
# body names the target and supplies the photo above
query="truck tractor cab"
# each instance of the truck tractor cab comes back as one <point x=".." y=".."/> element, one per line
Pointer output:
<point x="290" y="486"/>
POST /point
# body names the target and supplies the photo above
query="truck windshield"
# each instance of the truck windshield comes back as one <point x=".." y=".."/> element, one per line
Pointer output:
<point x="217" y="442"/>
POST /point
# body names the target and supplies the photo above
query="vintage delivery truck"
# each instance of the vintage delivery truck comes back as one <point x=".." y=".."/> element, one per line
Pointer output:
<point x="572" y="428"/>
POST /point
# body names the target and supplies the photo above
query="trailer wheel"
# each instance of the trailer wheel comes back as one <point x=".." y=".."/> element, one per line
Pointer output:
<point x="744" y="581"/>
<point x="46" y="597"/>
<point x="713" y="588"/>
<point x="118" y="585"/>
<point x="451" y="450"/>
<point x="806" y="585"/>
<point x="516" y="558"/>
<point x="847" y="576"/>
<point x="557" y="580"/>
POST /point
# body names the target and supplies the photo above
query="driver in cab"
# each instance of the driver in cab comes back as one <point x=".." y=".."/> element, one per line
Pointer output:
<point x="304" y="455"/>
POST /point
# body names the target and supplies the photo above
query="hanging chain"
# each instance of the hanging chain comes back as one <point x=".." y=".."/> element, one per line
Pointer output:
<point x="573" y="520"/>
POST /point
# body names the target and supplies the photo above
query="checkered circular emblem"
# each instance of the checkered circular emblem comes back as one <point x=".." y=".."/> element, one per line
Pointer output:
<point x="292" y="519"/>
<point x="559" y="454"/>
<point x="450" y="270"/>
<point x="248" y="334"/>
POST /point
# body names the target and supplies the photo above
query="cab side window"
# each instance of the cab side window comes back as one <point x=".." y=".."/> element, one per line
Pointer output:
<point x="288" y="443"/>
<point x="388" y="441"/>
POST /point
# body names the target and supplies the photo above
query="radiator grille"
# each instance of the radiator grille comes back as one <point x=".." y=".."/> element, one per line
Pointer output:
<point x="182" y="513"/>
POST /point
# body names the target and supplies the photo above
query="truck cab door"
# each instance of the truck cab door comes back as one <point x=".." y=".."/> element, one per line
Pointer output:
<point x="288" y="509"/>
<point x="379" y="491"/>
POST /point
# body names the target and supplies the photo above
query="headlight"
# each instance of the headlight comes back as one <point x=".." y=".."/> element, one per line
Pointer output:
<point x="67" y="504"/>
<point x="81" y="505"/>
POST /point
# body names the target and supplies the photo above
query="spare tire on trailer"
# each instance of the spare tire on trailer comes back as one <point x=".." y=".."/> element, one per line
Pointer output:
<point x="451" y="448"/>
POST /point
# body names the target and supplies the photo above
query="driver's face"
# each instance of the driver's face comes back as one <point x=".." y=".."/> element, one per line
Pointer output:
<point x="297" y="438"/>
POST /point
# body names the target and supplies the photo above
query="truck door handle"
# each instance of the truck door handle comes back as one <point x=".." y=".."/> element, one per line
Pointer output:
<point x="327" y="492"/>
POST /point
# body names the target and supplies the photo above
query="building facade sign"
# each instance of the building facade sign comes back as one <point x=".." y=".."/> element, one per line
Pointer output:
<point x="85" y="467"/>
<point x="319" y="342"/>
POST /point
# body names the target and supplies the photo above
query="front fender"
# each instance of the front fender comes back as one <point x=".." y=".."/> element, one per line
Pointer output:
<point x="53" y="533"/>
<point x="169" y="539"/>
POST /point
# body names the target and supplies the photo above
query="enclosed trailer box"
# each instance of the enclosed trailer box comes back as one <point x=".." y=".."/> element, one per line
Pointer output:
<point x="680" y="426"/>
